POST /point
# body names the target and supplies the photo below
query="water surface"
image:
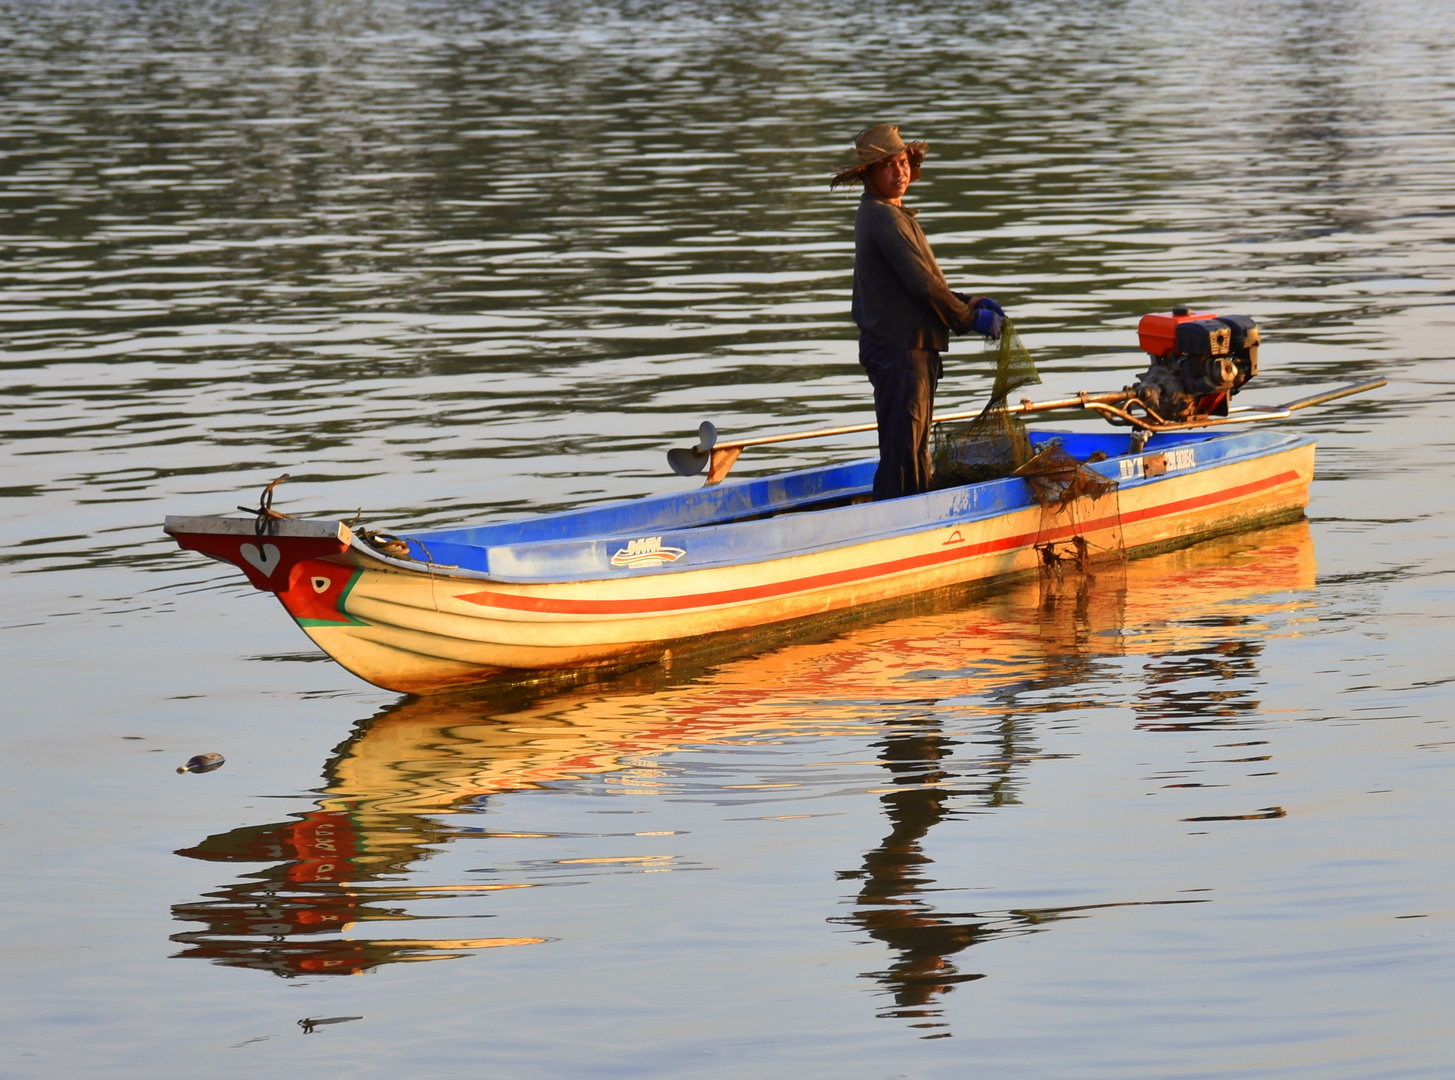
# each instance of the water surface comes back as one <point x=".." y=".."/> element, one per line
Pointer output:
<point x="442" y="261"/>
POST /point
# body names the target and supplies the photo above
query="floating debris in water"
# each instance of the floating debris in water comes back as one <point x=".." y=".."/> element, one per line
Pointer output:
<point x="1257" y="815"/>
<point x="308" y="1024"/>
<point x="202" y="763"/>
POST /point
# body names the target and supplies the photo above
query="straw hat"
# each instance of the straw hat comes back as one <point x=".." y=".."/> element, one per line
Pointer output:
<point x="879" y="143"/>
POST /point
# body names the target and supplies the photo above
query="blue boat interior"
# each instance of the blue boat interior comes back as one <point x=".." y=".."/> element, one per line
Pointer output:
<point x="766" y="517"/>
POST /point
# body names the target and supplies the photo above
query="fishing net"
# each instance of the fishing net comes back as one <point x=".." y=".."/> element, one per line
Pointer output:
<point x="1058" y="480"/>
<point x="1080" y="509"/>
<point x="994" y="444"/>
<point x="1081" y="515"/>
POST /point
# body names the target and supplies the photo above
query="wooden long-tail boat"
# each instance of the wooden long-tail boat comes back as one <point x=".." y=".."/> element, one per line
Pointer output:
<point x="637" y="581"/>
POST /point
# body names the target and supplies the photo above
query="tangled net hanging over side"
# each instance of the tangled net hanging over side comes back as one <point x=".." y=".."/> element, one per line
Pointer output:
<point x="993" y="445"/>
<point x="1081" y="511"/>
<point x="1057" y="479"/>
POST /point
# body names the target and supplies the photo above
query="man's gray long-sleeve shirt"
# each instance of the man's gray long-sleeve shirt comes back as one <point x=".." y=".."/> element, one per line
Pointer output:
<point x="900" y="295"/>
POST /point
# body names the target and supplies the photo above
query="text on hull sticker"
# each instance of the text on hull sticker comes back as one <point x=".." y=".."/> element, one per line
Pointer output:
<point x="648" y="551"/>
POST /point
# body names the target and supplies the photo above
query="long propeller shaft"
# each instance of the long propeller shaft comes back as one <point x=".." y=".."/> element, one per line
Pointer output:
<point x="722" y="455"/>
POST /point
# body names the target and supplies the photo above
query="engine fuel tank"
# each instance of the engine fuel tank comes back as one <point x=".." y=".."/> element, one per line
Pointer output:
<point x="1157" y="333"/>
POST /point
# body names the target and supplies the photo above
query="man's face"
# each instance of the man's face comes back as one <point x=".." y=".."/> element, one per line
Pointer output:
<point x="890" y="178"/>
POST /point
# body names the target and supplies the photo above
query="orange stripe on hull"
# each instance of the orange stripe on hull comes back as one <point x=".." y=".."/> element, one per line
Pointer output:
<point x="648" y="605"/>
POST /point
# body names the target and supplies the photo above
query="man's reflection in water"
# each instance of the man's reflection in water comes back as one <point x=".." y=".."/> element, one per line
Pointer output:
<point x="892" y="906"/>
<point x="893" y="903"/>
<point x="888" y="905"/>
<point x="1201" y="672"/>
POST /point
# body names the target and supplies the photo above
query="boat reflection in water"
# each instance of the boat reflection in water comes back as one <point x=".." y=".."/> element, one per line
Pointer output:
<point x="949" y="699"/>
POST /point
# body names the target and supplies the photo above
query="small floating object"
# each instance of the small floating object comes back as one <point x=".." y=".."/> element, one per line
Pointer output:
<point x="1256" y="815"/>
<point x="308" y="1024"/>
<point x="202" y="763"/>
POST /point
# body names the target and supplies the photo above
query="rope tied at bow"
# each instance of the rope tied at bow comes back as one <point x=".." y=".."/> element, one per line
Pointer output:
<point x="265" y="514"/>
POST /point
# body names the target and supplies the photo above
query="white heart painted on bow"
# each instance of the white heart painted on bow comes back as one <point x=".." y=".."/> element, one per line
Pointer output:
<point x="266" y="560"/>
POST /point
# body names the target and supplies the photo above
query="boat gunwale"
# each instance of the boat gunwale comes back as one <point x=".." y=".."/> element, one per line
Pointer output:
<point x="1261" y="444"/>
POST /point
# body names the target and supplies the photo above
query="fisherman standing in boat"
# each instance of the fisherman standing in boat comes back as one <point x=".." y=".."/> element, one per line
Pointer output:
<point x="903" y="307"/>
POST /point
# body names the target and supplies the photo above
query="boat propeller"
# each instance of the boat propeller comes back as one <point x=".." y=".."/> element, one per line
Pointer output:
<point x="692" y="460"/>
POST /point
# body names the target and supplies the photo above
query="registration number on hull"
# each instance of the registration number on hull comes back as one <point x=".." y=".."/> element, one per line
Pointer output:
<point x="1148" y="465"/>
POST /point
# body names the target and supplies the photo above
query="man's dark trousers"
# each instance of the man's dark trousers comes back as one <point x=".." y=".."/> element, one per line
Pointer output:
<point x="904" y="383"/>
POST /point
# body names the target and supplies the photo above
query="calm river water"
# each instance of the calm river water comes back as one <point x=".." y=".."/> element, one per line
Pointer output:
<point x="443" y="260"/>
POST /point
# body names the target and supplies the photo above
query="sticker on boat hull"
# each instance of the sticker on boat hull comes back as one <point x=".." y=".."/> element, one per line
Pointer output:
<point x="1151" y="465"/>
<point x="648" y="551"/>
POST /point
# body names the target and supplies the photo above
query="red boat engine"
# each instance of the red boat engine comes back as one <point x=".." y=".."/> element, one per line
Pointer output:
<point x="1199" y="361"/>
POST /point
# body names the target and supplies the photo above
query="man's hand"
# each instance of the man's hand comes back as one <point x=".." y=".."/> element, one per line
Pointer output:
<point x="989" y="317"/>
